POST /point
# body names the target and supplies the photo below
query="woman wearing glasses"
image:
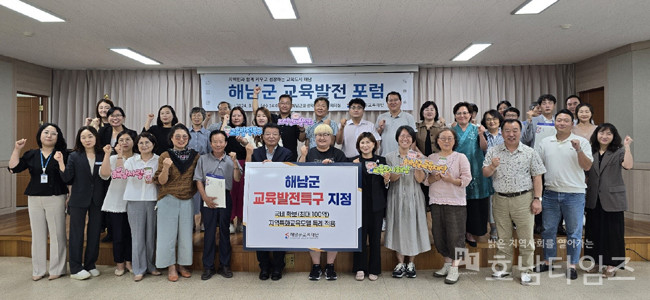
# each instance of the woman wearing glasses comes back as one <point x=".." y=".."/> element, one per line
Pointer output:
<point x="472" y="143"/>
<point x="175" y="218"/>
<point x="324" y="153"/>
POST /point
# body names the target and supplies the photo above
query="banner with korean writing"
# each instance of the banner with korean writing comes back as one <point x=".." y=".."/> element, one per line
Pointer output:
<point x="237" y="89"/>
<point x="302" y="207"/>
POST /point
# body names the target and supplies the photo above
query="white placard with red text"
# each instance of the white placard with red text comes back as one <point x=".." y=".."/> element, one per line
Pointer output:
<point x="304" y="206"/>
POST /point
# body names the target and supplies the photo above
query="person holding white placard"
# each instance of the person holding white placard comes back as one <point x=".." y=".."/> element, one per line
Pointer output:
<point x="216" y="164"/>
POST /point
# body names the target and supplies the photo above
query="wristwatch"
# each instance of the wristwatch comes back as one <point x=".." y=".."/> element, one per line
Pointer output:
<point x="538" y="198"/>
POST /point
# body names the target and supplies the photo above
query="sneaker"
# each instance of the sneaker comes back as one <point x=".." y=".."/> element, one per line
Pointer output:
<point x="232" y="228"/>
<point x="315" y="272"/>
<point x="572" y="274"/>
<point x="81" y="275"/>
<point x="442" y="272"/>
<point x="383" y="225"/>
<point x="500" y="274"/>
<point x="94" y="272"/>
<point x="399" y="270"/>
<point x="330" y="274"/>
<point x="526" y="279"/>
<point x="410" y="270"/>
<point x="452" y="276"/>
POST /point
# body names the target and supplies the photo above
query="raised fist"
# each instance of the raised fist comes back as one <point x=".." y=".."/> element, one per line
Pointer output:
<point x="167" y="162"/>
<point x="496" y="161"/>
<point x="576" y="144"/>
<point x="20" y="144"/>
<point x="58" y="156"/>
<point x="107" y="149"/>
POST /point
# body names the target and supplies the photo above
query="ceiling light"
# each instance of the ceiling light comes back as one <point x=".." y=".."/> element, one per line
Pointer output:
<point x="135" y="56"/>
<point x="30" y="11"/>
<point x="532" y="7"/>
<point x="281" y="9"/>
<point x="470" y="52"/>
<point x="301" y="55"/>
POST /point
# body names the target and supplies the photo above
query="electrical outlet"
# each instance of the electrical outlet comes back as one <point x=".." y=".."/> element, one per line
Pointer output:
<point x="290" y="260"/>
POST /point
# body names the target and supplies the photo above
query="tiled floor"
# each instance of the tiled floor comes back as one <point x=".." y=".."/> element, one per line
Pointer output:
<point x="16" y="283"/>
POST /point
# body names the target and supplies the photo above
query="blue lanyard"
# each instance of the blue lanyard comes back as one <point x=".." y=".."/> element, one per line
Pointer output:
<point x="47" y="162"/>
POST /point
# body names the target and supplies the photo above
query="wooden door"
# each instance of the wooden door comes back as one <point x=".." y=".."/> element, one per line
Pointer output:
<point x="596" y="98"/>
<point x="28" y="120"/>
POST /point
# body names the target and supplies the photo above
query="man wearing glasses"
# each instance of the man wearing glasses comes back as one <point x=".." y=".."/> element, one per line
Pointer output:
<point x="388" y="122"/>
<point x="271" y="262"/>
<point x="351" y="129"/>
<point x="290" y="134"/>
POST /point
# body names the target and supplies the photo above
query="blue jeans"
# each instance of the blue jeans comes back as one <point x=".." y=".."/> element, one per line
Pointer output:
<point x="572" y="207"/>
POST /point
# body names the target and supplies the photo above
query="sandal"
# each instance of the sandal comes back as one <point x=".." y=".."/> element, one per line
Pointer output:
<point x="373" y="277"/>
<point x="608" y="273"/>
<point x="360" y="276"/>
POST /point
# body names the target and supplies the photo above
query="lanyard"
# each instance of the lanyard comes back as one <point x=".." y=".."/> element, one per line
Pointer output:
<point x="47" y="162"/>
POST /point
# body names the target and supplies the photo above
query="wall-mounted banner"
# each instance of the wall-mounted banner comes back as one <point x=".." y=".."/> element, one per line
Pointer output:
<point x="237" y="89"/>
<point x="302" y="206"/>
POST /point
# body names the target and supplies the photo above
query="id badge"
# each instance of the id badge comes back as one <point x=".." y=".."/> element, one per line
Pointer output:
<point x="43" y="178"/>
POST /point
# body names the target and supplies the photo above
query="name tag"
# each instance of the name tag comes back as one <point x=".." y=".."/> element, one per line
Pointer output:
<point x="43" y="178"/>
<point x="98" y="163"/>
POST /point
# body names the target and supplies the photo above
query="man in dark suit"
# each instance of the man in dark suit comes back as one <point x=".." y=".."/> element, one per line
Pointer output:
<point x="270" y="260"/>
<point x="271" y="151"/>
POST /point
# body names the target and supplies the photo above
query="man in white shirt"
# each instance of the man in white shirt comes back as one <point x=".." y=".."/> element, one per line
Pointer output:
<point x="351" y="129"/>
<point x="566" y="157"/>
<point x="388" y="122"/>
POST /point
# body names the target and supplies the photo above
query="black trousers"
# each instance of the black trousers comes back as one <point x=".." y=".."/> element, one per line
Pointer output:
<point x="121" y="237"/>
<point x="211" y="218"/>
<point x="369" y="259"/>
<point x="268" y="263"/>
<point x="76" y="243"/>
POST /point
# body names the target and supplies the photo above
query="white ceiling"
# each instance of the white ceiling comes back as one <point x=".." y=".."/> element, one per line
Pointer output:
<point x="204" y="33"/>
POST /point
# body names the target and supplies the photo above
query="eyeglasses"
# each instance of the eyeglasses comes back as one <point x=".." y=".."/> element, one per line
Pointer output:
<point x="460" y="113"/>
<point x="356" y="107"/>
<point x="323" y="135"/>
<point x="179" y="137"/>
<point x="447" y="139"/>
<point x="116" y="115"/>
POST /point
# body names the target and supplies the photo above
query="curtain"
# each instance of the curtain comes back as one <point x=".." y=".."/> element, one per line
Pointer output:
<point x="138" y="92"/>
<point x="487" y="86"/>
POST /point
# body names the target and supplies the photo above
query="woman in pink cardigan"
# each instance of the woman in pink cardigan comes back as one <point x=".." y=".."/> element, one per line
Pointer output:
<point x="447" y="202"/>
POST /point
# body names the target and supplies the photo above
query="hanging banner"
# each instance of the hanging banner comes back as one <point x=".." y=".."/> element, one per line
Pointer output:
<point x="237" y="89"/>
<point x="302" y="207"/>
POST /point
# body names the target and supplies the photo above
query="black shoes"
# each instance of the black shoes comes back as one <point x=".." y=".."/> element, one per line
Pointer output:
<point x="543" y="268"/>
<point x="276" y="275"/>
<point x="207" y="273"/>
<point x="264" y="275"/>
<point x="225" y="271"/>
<point x="572" y="274"/>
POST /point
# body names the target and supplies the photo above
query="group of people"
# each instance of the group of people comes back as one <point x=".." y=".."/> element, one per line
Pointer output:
<point x="152" y="186"/>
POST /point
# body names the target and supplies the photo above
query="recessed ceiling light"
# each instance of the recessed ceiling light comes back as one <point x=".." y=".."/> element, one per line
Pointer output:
<point x="301" y="55"/>
<point x="470" y="52"/>
<point x="281" y="9"/>
<point x="135" y="56"/>
<point x="532" y="7"/>
<point x="30" y="11"/>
